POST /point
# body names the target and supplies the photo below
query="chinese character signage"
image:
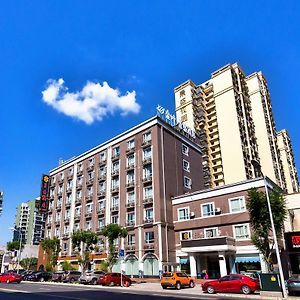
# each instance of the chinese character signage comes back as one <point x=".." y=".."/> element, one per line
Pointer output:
<point x="171" y="119"/>
<point x="292" y="240"/>
<point x="43" y="203"/>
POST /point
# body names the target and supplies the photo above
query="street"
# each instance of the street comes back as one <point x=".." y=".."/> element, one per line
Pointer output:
<point x="37" y="291"/>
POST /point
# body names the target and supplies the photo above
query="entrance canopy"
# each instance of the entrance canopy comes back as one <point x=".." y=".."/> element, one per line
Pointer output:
<point x="247" y="259"/>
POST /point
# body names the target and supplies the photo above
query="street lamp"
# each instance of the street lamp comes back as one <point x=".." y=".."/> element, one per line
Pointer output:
<point x="257" y="166"/>
<point x="20" y="245"/>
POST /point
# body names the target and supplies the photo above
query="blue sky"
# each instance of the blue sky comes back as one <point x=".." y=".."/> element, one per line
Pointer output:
<point x="143" y="49"/>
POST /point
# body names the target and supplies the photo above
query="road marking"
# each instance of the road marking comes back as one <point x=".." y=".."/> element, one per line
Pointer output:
<point x="13" y="291"/>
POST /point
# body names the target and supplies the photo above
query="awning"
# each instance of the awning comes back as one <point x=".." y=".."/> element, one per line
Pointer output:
<point x="183" y="261"/>
<point x="247" y="259"/>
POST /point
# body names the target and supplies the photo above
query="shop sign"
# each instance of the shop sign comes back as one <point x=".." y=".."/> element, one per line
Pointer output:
<point x="292" y="240"/>
<point x="44" y="199"/>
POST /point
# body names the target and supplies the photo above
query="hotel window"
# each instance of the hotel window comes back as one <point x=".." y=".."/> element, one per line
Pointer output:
<point x="61" y="189"/>
<point x="48" y="233"/>
<point x="187" y="182"/>
<point x="53" y="179"/>
<point x="131" y="217"/>
<point x="78" y="194"/>
<point x="59" y="201"/>
<point x="149" y="214"/>
<point x="103" y="156"/>
<point x="69" y="198"/>
<point x="210" y="232"/>
<point x="102" y="171"/>
<point x="130" y="177"/>
<point x="90" y="191"/>
<point x="131" y="239"/>
<point x="147" y="171"/>
<point x="91" y="162"/>
<point x="183" y="213"/>
<point x="76" y="227"/>
<point x="101" y="204"/>
<point x="116" y="151"/>
<point x="147" y="137"/>
<point x="185" y="235"/>
<point x="115" y="201"/>
<point x="116" y="166"/>
<point x="186" y="165"/>
<point x="185" y="150"/>
<point x="131" y="197"/>
<point x="52" y="192"/>
<point x="69" y="184"/>
<point x="70" y="171"/>
<point x="208" y="209"/>
<point x="149" y="237"/>
<point x="79" y="180"/>
<point x="101" y="223"/>
<point x="88" y="225"/>
<point x="66" y="229"/>
<point x="130" y="160"/>
<point x="148" y="192"/>
<point x="182" y="93"/>
<point x="89" y="208"/>
<point x="67" y="214"/>
<point x="80" y="167"/>
<point x="237" y="204"/>
<point x="115" y="219"/>
<point x="130" y="144"/>
<point x="116" y="242"/>
<point x="90" y="175"/>
<point x="65" y="247"/>
<point x="115" y="183"/>
<point x="241" y="231"/>
<point x="77" y="211"/>
<point x="102" y="186"/>
<point x="57" y="232"/>
<point x="49" y="218"/>
<point x="147" y="153"/>
<point x="62" y="176"/>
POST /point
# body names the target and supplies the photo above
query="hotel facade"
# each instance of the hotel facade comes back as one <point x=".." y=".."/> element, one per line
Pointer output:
<point x="128" y="180"/>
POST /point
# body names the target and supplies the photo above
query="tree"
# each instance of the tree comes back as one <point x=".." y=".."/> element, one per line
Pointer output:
<point x="29" y="263"/>
<point x="67" y="266"/>
<point x="112" y="232"/>
<point x="260" y="222"/>
<point x="84" y="243"/>
<point x="14" y="245"/>
<point x="52" y="248"/>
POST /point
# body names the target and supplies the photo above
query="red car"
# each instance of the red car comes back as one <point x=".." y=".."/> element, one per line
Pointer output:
<point x="10" y="277"/>
<point x="114" y="279"/>
<point x="232" y="283"/>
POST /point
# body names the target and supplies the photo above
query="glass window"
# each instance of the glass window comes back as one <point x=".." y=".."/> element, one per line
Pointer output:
<point x="130" y="160"/>
<point x="186" y="165"/>
<point x="76" y="226"/>
<point x="187" y="182"/>
<point x="116" y="151"/>
<point x="115" y="201"/>
<point x="130" y="144"/>
<point x="131" y="197"/>
<point x="147" y="153"/>
<point x="101" y="223"/>
<point x="131" y="239"/>
<point x="147" y="137"/>
<point x="237" y="204"/>
<point x="130" y="176"/>
<point x="147" y="171"/>
<point x="185" y="235"/>
<point x="149" y="237"/>
<point x="210" y="232"/>
<point x="102" y="186"/>
<point x="116" y="166"/>
<point x="90" y="190"/>
<point x="131" y="217"/>
<point x="101" y="204"/>
<point x="149" y="214"/>
<point x="241" y="232"/>
<point x="115" y="182"/>
<point x="115" y="219"/>
<point x="148" y="192"/>
<point x="102" y="171"/>
<point x="102" y="156"/>
<point x="88" y="225"/>
<point x="185" y="150"/>
<point x="183" y="213"/>
<point x="208" y="209"/>
<point x="77" y="211"/>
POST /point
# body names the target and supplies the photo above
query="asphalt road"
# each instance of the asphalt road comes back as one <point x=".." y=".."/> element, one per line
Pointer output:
<point x="28" y="291"/>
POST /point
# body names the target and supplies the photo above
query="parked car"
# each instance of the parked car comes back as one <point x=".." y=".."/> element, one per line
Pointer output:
<point x="57" y="276"/>
<point x="293" y="285"/>
<point x="71" y="276"/>
<point x="232" y="283"/>
<point x="39" y="276"/>
<point x="10" y="277"/>
<point x="91" y="277"/>
<point x="114" y="279"/>
<point x="25" y="274"/>
<point x="176" y="280"/>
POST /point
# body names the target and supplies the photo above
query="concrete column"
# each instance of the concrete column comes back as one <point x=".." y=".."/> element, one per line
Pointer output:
<point x="193" y="266"/>
<point x="222" y="264"/>
<point x="232" y="264"/>
<point x="263" y="264"/>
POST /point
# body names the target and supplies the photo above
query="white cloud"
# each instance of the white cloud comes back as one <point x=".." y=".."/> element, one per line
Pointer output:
<point x="92" y="103"/>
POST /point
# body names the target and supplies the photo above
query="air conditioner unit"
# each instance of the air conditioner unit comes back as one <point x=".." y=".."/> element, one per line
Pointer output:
<point x="192" y="215"/>
<point x="218" y="210"/>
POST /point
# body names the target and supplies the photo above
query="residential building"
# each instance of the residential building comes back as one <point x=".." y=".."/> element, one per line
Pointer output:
<point x="219" y="110"/>
<point x="212" y="230"/>
<point x="288" y="161"/>
<point x="128" y="180"/>
<point x="232" y="114"/>
<point x="29" y="224"/>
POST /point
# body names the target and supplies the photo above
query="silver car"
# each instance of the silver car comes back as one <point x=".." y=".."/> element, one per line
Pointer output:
<point x="293" y="285"/>
<point x="91" y="277"/>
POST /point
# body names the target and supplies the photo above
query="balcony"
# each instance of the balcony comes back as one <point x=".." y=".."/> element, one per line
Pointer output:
<point x="147" y="179"/>
<point x="77" y="217"/>
<point x="130" y="223"/>
<point x="114" y="208"/>
<point x="101" y="211"/>
<point x="115" y="156"/>
<point x="67" y="220"/>
<point x="130" y="184"/>
<point x="115" y="172"/>
<point x="130" y="204"/>
<point x="102" y="162"/>
<point x="149" y="245"/>
<point x="68" y="204"/>
<point x="59" y="194"/>
<point x="79" y="172"/>
<point x="78" y="200"/>
<point x="70" y="176"/>
<point x="100" y="228"/>
<point x="148" y="200"/>
<point x="57" y="222"/>
<point x="89" y="198"/>
<point x="130" y="150"/>
<point x="147" y="160"/>
<point x="60" y="181"/>
<point x="90" y="181"/>
<point x="101" y="194"/>
<point x="115" y="189"/>
<point x="130" y="167"/>
<point x="223" y="243"/>
<point x="58" y="206"/>
<point x="52" y="184"/>
<point x="146" y="143"/>
<point x="148" y="221"/>
<point x="79" y="186"/>
<point x="90" y="167"/>
<point x="102" y="177"/>
<point x="130" y="247"/>
<point x="69" y="189"/>
<point x="88" y="214"/>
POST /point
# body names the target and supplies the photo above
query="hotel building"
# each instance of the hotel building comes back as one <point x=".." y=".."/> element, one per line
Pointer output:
<point x="233" y="116"/>
<point x="128" y="180"/>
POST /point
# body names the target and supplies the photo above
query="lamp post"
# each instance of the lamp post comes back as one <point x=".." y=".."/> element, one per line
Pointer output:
<point x="257" y="166"/>
<point x="20" y="245"/>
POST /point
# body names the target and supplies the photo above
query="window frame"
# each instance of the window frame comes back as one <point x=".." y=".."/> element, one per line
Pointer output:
<point x="213" y="207"/>
<point x="235" y="198"/>
<point x="185" y="231"/>
<point x="188" y="165"/>
<point x="247" y="225"/>
<point x="210" y="228"/>
<point x="185" y="149"/>
<point x="184" y="182"/>
<point x="188" y="213"/>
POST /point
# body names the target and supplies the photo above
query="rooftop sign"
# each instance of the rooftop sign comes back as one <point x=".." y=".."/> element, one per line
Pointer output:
<point x="43" y="202"/>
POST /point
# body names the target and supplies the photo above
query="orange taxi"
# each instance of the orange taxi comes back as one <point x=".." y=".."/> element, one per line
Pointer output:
<point x="176" y="280"/>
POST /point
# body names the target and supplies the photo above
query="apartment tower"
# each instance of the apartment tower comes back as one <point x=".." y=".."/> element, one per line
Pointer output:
<point x="288" y="161"/>
<point x="219" y="110"/>
<point x="128" y="180"/>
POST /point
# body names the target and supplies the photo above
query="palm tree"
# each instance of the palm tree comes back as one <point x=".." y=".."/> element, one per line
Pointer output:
<point x="84" y="242"/>
<point x="112" y="232"/>
<point x="260" y="220"/>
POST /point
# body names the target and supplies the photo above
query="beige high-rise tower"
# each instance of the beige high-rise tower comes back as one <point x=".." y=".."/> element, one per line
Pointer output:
<point x="232" y="114"/>
<point x="219" y="110"/>
<point x="288" y="161"/>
